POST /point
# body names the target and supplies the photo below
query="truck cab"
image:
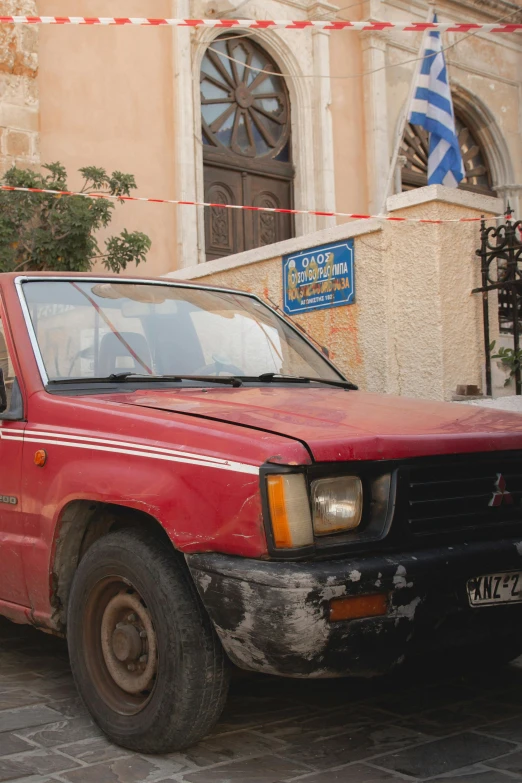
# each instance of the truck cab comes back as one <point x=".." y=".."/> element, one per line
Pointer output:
<point x="188" y="483"/>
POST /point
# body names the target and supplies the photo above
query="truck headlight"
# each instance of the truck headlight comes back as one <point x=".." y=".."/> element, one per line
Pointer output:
<point x="289" y="511"/>
<point x="337" y="504"/>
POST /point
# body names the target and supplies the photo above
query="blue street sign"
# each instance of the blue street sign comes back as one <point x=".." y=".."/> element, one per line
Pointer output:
<point x="319" y="278"/>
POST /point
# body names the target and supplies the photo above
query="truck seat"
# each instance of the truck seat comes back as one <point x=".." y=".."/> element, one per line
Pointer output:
<point x="115" y="357"/>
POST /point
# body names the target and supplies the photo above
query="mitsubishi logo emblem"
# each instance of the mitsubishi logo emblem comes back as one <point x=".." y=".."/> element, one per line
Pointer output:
<point x="501" y="495"/>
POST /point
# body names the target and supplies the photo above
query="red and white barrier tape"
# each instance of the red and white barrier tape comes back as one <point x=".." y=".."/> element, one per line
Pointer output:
<point x="266" y="24"/>
<point x="177" y="202"/>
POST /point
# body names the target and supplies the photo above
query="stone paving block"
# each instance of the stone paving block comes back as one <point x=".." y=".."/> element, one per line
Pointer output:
<point x="508" y="729"/>
<point x="133" y="769"/>
<point x="24" y="717"/>
<point x="10" y="743"/>
<point x="8" y="658"/>
<point x="246" y="713"/>
<point x="44" y="761"/>
<point x="511" y="763"/>
<point x="273" y="730"/>
<point x="9" y="685"/>
<point x="61" y="732"/>
<point x="54" y="690"/>
<point x="17" y="698"/>
<point x="264" y="769"/>
<point x="492" y="710"/>
<point x="241" y="744"/>
<point x="13" y="770"/>
<point x="93" y="751"/>
<point x="354" y="746"/>
<point x="227" y="725"/>
<point x="355" y="773"/>
<point x="424" y="699"/>
<point x="173" y="764"/>
<point x="475" y="776"/>
<point x="444" y="721"/>
<point x="337" y="722"/>
<point x="35" y="779"/>
<point x="69" y="708"/>
<point x="24" y="668"/>
<point x="18" y="679"/>
<point x="221" y="748"/>
<point x="445" y="755"/>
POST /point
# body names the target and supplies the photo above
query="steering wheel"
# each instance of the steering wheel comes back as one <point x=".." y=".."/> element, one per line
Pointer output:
<point x="220" y="366"/>
<point x="81" y="354"/>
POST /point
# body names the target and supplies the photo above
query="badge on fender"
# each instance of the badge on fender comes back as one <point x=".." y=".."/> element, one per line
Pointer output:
<point x="9" y="499"/>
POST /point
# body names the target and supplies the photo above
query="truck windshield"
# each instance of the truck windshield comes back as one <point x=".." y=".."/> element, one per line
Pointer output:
<point x="98" y="329"/>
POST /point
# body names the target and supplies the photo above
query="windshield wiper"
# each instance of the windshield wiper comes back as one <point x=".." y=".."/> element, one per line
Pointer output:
<point x="227" y="380"/>
<point x="131" y="376"/>
<point x="268" y="377"/>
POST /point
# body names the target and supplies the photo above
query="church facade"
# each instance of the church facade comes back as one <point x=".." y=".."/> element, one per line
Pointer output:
<point x="294" y="119"/>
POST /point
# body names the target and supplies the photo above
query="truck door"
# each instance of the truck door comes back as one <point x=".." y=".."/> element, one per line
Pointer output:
<point x="12" y="581"/>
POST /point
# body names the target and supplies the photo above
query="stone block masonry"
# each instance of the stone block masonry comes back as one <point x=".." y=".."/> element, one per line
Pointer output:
<point x="19" y="107"/>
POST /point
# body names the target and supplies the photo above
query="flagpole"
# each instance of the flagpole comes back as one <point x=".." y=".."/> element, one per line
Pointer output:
<point x="406" y="111"/>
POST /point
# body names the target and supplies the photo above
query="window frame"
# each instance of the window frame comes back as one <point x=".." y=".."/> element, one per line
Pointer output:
<point x="15" y="410"/>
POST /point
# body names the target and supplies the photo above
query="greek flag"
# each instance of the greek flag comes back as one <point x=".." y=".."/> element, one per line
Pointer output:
<point x="433" y="109"/>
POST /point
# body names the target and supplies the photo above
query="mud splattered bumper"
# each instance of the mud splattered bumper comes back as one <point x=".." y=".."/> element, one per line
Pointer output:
<point x="273" y="617"/>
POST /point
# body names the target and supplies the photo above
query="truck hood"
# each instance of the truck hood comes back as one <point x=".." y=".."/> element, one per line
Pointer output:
<point x="338" y="425"/>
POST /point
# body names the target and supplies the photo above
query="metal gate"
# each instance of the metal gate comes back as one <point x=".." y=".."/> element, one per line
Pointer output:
<point x="501" y="266"/>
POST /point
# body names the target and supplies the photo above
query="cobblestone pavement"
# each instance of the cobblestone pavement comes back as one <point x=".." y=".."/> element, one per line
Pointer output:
<point x="412" y="726"/>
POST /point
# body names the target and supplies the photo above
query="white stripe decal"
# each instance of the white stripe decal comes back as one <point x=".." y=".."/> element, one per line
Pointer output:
<point x="123" y="444"/>
<point x="165" y="455"/>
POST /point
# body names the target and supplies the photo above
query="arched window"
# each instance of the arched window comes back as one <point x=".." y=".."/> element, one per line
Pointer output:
<point x="247" y="150"/>
<point x="415" y="146"/>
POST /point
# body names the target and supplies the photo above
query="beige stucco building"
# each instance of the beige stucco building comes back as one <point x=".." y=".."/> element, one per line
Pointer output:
<point x="129" y="99"/>
<point x="307" y="119"/>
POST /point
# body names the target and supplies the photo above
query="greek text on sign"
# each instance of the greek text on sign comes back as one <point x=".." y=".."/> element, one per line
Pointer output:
<point x="319" y="278"/>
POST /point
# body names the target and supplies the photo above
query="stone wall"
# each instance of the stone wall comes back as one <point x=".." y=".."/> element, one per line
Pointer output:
<point x="415" y="328"/>
<point x="19" y="110"/>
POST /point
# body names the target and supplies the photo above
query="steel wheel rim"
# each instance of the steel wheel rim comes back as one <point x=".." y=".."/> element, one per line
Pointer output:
<point x="120" y="645"/>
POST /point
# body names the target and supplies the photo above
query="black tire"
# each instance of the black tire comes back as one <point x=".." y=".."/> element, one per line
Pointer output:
<point x="129" y="574"/>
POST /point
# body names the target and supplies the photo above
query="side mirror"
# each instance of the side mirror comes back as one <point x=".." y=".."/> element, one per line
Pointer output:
<point x="3" y="393"/>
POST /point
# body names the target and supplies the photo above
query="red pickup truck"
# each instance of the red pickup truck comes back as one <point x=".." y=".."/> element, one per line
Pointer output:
<point x="187" y="481"/>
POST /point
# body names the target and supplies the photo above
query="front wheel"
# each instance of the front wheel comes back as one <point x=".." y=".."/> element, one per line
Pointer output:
<point x="144" y="655"/>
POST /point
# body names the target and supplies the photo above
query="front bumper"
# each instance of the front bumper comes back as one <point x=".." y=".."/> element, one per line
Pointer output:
<point x="272" y="617"/>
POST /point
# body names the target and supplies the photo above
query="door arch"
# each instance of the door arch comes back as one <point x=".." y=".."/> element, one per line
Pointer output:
<point x="247" y="146"/>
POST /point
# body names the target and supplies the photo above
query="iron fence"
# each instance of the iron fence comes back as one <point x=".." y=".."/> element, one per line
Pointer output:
<point x="501" y="267"/>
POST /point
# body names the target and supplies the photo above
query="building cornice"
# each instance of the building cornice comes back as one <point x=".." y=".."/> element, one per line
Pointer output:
<point x="457" y="65"/>
<point x="228" y="9"/>
<point x="497" y="9"/>
<point x="319" y="9"/>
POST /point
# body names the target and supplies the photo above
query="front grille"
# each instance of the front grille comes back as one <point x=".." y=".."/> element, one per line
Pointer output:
<point x="466" y="492"/>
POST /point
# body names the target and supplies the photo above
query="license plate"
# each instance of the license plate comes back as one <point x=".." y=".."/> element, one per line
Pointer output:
<point x="495" y="589"/>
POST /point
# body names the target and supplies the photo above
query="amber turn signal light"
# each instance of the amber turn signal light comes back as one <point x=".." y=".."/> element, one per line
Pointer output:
<point x="358" y="607"/>
<point x="40" y="458"/>
<point x="289" y="511"/>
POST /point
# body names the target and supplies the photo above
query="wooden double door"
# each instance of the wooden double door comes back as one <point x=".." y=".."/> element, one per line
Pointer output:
<point x="229" y="231"/>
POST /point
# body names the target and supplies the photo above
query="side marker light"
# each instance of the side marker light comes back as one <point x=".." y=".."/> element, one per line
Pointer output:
<point x="40" y="458"/>
<point x="357" y="607"/>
